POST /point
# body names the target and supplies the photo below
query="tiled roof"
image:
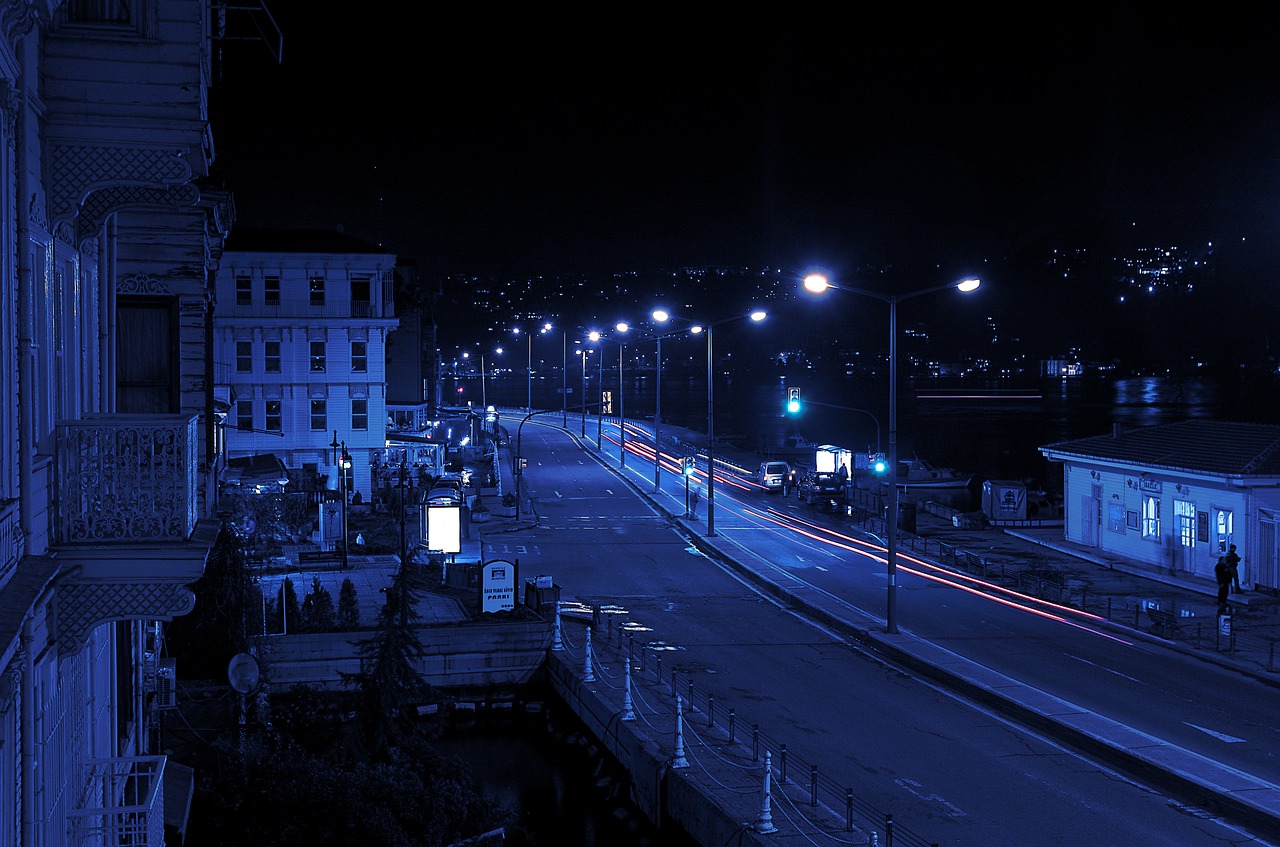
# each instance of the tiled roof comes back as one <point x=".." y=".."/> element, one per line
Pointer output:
<point x="243" y="240"/>
<point x="1220" y="447"/>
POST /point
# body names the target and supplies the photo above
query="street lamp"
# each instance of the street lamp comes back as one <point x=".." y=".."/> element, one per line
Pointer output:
<point x="659" y="316"/>
<point x="622" y="328"/>
<point x="756" y="316"/>
<point x="819" y="284"/>
<point x="584" y="352"/>
<point x="343" y="463"/>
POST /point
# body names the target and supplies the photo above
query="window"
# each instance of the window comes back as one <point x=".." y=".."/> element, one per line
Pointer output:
<point x="359" y="356"/>
<point x="244" y="415"/>
<point x="1225" y="528"/>
<point x="271" y="357"/>
<point x="271" y="290"/>
<point x="1150" y="517"/>
<point x="275" y="417"/>
<point x="359" y="414"/>
<point x="1184" y="514"/>
<point x="317" y="357"/>
<point x="244" y="290"/>
<point x="244" y="357"/>
<point x="319" y="416"/>
<point x="317" y="291"/>
<point x="100" y="11"/>
<point x="360" y="306"/>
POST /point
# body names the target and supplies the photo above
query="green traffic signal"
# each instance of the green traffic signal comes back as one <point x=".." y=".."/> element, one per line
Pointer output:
<point x="878" y="464"/>
<point x="793" y="401"/>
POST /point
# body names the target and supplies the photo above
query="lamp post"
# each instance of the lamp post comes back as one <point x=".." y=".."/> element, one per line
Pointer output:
<point x="818" y="284"/>
<point x="621" y="328"/>
<point x="659" y="316"/>
<point x="564" y="378"/>
<point x="584" y="352"/>
<point x="343" y="462"/>
<point x="756" y="316"/>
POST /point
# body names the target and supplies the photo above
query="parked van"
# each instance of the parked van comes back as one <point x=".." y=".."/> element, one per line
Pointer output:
<point x="771" y="475"/>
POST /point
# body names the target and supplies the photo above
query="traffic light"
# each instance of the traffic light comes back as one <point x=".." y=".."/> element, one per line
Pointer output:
<point x="878" y="464"/>
<point x="793" y="401"/>
<point x="686" y="465"/>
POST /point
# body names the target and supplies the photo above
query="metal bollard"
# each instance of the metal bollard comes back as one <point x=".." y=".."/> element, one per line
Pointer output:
<point x="782" y="770"/>
<point x="679" y="761"/>
<point x="711" y="711"/>
<point x="658" y="671"/>
<point x="888" y="831"/>
<point x="755" y="742"/>
<point x="628" y="709"/>
<point x="731" y="726"/>
<point x="848" y="810"/>
<point x="764" y="823"/>
<point x="813" y="785"/>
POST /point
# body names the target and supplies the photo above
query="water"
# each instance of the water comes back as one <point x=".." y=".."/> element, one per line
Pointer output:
<point x="996" y="436"/>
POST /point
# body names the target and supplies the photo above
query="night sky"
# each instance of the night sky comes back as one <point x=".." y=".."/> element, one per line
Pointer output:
<point x="530" y="141"/>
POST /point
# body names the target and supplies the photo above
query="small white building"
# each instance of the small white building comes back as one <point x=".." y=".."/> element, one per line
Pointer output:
<point x="300" y="333"/>
<point x="1173" y="497"/>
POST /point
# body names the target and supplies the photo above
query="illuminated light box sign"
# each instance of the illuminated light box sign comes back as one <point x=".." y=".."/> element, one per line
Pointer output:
<point x="498" y="586"/>
<point x="443" y="528"/>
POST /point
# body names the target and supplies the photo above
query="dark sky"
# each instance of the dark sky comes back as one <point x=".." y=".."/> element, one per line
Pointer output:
<point x="536" y="141"/>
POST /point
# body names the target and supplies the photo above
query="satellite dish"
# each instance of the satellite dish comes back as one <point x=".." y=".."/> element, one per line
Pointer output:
<point x="243" y="673"/>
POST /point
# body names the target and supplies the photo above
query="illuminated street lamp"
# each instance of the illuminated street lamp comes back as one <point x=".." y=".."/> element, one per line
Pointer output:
<point x="343" y="462"/>
<point x="756" y="316"/>
<point x="818" y="284"/>
<point x="584" y="352"/>
<point x="622" y="328"/>
<point x="660" y="316"/>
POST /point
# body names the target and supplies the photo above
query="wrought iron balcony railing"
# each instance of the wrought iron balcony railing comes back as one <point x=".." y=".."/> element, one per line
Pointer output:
<point x="128" y="479"/>
<point x="123" y="802"/>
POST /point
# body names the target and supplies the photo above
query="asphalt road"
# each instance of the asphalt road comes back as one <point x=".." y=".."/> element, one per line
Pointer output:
<point x="951" y="770"/>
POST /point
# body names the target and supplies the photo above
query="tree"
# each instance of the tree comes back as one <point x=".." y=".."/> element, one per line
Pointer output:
<point x="348" y="607"/>
<point x="317" y="609"/>
<point x="217" y="629"/>
<point x="388" y="684"/>
<point x="286" y="598"/>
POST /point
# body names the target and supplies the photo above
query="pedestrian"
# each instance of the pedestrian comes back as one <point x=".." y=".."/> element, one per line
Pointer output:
<point x="1233" y="567"/>
<point x="1222" y="574"/>
<point x="693" y="501"/>
<point x="844" y="474"/>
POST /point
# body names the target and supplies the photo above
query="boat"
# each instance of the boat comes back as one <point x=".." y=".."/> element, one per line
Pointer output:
<point x="916" y="473"/>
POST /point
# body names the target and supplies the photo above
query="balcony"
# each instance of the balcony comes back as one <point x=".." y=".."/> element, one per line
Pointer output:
<point x="127" y="479"/>
<point x="123" y="803"/>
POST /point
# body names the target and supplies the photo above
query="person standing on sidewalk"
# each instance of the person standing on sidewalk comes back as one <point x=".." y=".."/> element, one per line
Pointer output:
<point x="1233" y="568"/>
<point x="694" y="494"/>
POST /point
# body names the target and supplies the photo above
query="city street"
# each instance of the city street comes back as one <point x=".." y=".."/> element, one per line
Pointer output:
<point x="950" y="769"/>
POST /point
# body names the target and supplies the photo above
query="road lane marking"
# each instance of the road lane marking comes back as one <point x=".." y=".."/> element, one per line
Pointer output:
<point x="910" y="785"/>
<point x="1229" y="739"/>
<point x="1107" y="669"/>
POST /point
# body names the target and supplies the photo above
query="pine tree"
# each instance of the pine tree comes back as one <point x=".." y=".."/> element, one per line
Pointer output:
<point x="388" y="684"/>
<point x="317" y="609"/>
<point x="348" y="607"/>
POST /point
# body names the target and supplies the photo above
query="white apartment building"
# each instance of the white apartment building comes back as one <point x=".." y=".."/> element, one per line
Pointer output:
<point x="110" y="451"/>
<point x="300" y="329"/>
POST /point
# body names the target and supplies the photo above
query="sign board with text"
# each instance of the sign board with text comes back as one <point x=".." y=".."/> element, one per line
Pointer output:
<point x="498" y="586"/>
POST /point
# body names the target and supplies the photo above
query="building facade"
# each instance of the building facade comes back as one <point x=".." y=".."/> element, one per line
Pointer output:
<point x="108" y="236"/>
<point x="301" y="326"/>
<point x="1174" y="497"/>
